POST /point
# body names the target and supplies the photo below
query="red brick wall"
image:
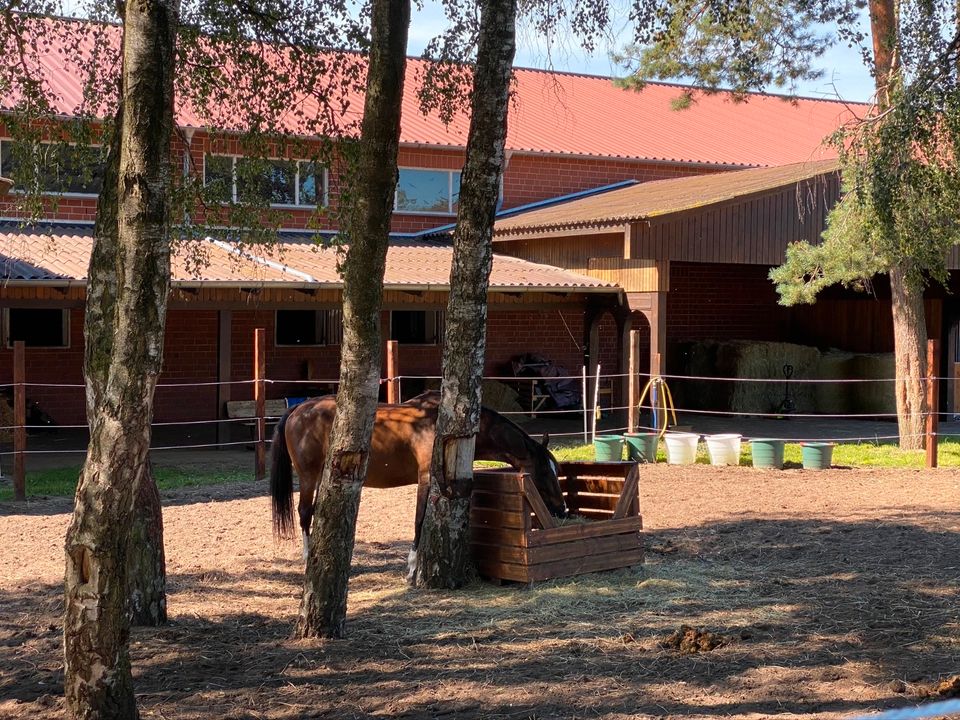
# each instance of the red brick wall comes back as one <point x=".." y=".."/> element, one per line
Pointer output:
<point x="46" y="367"/>
<point x="531" y="178"/>
<point x="528" y="178"/>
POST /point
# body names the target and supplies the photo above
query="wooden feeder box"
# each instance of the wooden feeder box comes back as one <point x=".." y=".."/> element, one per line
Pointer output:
<point x="515" y="538"/>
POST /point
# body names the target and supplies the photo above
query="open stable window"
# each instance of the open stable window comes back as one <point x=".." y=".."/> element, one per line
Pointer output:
<point x="417" y="327"/>
<point x="287" y="183"/>
<point x="428" y="191"/>
<point x="53" y="168"/>
<point x="37" y="327"/>
<point x="304" y="328"/>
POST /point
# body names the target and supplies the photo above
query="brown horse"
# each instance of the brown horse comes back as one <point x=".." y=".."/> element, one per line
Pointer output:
<point x="400" y="454"/>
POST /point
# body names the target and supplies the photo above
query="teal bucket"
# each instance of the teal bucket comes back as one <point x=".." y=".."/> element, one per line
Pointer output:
<point x="816" y="455"/>
<point x="767" y="453"/>
<point x="642" y="447"/>
<point x="608" y="448"/>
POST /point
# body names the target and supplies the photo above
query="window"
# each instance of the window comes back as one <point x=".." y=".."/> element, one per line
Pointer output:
<point x="428" y="191"/>
<point x="309" y="327"/>
<point x="417" y="327"/>
<point x="58" y="168"/>
<point x="297" y="183"/>
<point x="37" y="327"/>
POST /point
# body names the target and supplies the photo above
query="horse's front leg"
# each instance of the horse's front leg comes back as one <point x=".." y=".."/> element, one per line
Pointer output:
<point x="423" y="491"/>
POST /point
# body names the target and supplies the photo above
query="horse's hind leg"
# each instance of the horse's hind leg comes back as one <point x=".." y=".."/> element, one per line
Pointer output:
<point x="423" y="491"/>
<point x="308" y="488"/>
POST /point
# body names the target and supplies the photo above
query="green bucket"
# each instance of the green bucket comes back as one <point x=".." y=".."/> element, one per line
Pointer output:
<point x="608" y="448"/>
<point x="816" y="455"/>
<point x="767" y="453"/>
<point x="642" y="447"/>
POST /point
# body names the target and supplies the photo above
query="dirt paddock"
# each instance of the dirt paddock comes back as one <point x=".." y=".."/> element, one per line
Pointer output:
<point x="828" y="594"/>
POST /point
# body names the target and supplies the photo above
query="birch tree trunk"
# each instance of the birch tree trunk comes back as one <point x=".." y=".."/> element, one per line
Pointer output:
<point x="128" y="284"/>
<point x="906" y="292"/>
<point x="373" y="182"/>
<point x="443" y="553"/>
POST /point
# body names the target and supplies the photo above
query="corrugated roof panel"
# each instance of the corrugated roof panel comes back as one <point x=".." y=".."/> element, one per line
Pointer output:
<point x="55" y="252"/>
<point x="574" y="114"/>
<point x="659" y="197"/>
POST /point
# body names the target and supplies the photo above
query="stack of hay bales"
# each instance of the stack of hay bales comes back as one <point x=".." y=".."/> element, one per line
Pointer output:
<point x="861" y="397"/>
<point x="766" y="360"/>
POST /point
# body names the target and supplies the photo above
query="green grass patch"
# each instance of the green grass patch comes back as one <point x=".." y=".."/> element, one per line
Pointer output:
<point x="62" y="482"/>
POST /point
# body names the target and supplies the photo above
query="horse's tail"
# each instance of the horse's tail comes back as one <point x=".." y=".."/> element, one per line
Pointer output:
<point x="281" y="480"/>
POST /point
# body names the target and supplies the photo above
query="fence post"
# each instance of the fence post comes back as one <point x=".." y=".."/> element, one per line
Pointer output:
<point x="393" y="370"/>
<point x="260" y="399"/>
<point x="19" y="421"/>
<point x="632" y="394"/>
<point x="933" y="402"/>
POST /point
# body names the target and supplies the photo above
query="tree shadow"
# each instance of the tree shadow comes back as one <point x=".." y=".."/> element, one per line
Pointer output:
<point x="807" y="609"/>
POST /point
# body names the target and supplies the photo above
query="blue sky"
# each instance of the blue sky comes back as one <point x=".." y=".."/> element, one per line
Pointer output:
<point x="845" y="76"/>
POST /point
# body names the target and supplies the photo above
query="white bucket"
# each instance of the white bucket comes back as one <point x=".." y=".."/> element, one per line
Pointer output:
<point x="681" y="448"/>
<point x="724" y="449"/>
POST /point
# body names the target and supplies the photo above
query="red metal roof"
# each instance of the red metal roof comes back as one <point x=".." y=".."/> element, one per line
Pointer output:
<point x="573" y="114"/>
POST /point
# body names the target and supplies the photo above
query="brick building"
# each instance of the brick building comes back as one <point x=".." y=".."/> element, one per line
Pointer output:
<point x="565" y="285"/>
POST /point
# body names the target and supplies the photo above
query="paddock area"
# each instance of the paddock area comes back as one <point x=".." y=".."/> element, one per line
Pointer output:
<point x="817" y="594"/>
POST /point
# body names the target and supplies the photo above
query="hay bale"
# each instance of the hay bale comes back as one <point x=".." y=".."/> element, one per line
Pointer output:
<point x="502" y="398"/>
<point x="856" y="397"/>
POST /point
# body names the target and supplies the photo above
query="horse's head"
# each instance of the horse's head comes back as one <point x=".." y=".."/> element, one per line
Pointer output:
<point x="546" y="478"/>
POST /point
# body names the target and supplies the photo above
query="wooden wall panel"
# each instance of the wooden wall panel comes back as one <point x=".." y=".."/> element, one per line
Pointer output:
<point x="572" y="253"/>
<point x="752" y="231"/>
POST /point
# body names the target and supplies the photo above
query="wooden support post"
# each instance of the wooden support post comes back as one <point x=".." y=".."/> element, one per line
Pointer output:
<point x="393" y="371"/>
<point x="260" y="399"/>
<point x="633" y="381"/>
<point x="933" y="404"/>
<point x="224" y="373"/>
<point x="19" y="421"/>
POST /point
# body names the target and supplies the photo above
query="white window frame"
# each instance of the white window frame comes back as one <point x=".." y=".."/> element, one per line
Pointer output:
<point x="317" y="313"/>
<point x="450" y="174"/>
<point x="52" y="193"/>
<point x="439" y="320"/>
<point x="65" y="317"/>
<point x="297" y="205"/>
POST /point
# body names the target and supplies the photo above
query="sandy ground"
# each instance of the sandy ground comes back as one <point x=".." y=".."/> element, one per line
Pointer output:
<point x="831" y="594"/>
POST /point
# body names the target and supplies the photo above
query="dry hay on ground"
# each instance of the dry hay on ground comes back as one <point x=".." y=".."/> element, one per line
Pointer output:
<point x="834" y="592"/>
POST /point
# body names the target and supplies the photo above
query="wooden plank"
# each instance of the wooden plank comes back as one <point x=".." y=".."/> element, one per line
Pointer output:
<point x="498" y="481"/>
<point x="513" y="502"/>
<point x="593" y="501"/>
<point x="393" y="372"/>
<point x="623" y="542"/>
<point x="499" y="518"/>
<point x="536" y="502"/>
<point x="500" y="536"/>
<point x="603" y="486"/>
<point x="595" y="513"/>
<point x="577" y="532"/>
<point x="578" y="566"/>
<point x="628" y="494"/>
<point x="504" y="571"/>
<point x="483" y="552"/>
<point x="599" y="469"/>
